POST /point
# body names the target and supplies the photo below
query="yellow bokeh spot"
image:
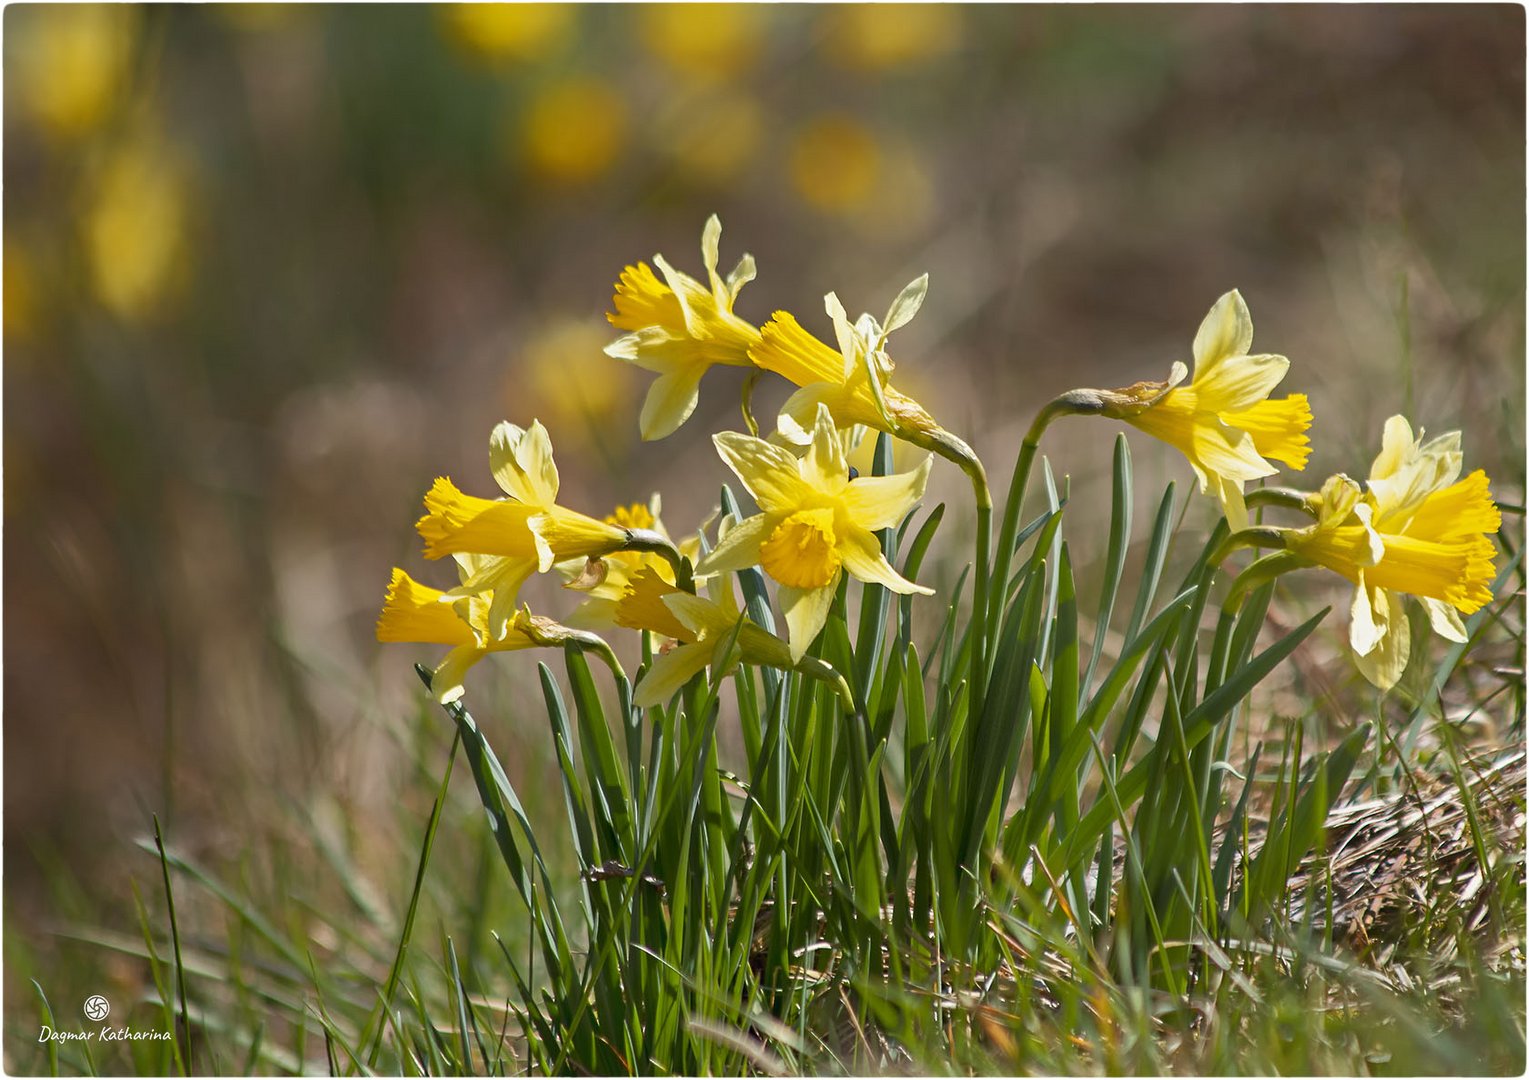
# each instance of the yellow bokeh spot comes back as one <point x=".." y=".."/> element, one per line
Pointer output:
<point x="69" y="61"/>
<point x="712" y="138"/>
<point x="834" y="163"/>
<point x="879" y="37"/>
<point x="573" y="130"/>
<point x="708" y="41"/>
<point x="134" y="227"/>
<point x="507" y="31"/>
<point x="802" y="551"/>
<point x="577" y="389"/>
<point x="20" y="292"/>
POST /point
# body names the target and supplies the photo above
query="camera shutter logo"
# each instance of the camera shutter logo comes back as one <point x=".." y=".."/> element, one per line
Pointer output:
<point x="97" y="1008"/>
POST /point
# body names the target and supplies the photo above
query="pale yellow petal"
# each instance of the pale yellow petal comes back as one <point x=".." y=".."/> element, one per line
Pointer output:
<point x="881" y="502"/>
<point x="1226" y="331"/>
<point x="863" y="559"/>
<point x="1384" y="663"/>
<point x="521" y="459"/>
<point x="738" y="549"/>
<point x="669" y="673"/>
<point x="700" y="617"/>
<point x="446" y="680"/>
<point x="825" y="467"/>
<point x="1445" y="620"/>
<point x="770" y="473"/>
<point x="670" y="401"/>
<point x="1240" y="382"/>
<point x="1233" y="505"/>
<point x="806" y="611"/>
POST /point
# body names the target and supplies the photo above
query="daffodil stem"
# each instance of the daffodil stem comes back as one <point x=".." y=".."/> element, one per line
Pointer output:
<point x="658" y="544"/>
<point x="1288" y="498"/>
<point x="956" y="450"/>
<point x="747" y="402"/>
<point x="814" y="668"/>
<point x="1014" y="506"/>
<point x="601" y="648"/>
<point x="1267" y="536"/>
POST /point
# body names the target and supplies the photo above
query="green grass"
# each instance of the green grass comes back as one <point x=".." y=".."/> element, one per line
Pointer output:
<point x="1113" y="860"/>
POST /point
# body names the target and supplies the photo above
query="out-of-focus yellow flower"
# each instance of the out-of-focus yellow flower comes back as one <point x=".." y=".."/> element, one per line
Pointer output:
<point x="1414" y="530"/>
<point x="711" y="136"/>
<point x="20" y="292"/>
<point x="523" y="534"/>
<point x="841" y="378"/>
<point x="878" y="37"/>
<point x="135" y="226"/>
<point x="815" y="523"/>
<point x="573" y="130"/>
<point x="700" y="627"/>
<point x="708" y="41"/>
<point x="1221" y="420"/>
<point x="70" y="61"/>
<point x="515" y="31"/>
<point x="416" y="613"/>
<point x="576" y="388"/>
<point x="835" y="163"/>
<point x="679" y="328"/>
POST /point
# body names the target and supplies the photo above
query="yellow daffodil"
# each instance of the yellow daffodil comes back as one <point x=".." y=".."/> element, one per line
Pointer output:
<point x="815" y="523"/>
<point x="678" y="328"/>
<point x="1222" y="420"/>
<point x="524" y="533"/>
<point x="699" y="626"/>
<point x="417" y="613"/>
<point x="841" y="378"/>
<point x="1415" y="530"/>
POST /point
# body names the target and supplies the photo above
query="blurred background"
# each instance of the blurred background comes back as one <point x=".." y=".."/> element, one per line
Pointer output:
<point x="268" y="270"/>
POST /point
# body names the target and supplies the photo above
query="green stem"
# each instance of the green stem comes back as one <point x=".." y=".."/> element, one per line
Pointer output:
<point x="1262" y="570"/>
<point x="1013" y="507"/>
<point x="1267" y="536"/>
<point x="657" y="543"/>
<point x="1287" y="498"/>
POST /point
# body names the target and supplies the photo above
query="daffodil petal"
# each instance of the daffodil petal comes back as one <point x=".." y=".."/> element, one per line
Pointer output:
<point x="670" y="401"/>
<point x="881" y="502"/>
<point x="1240" y="382"/>
<point x="1384" y="663"/>
<point x="521" y="460"/>
<point x="770" y="473"/>
<point x="1233" y="505"/>
<point x="669" y="674"/>
<point x="825" y="467"/>
<point x="698" y="616"/>
<point x="446" y="680"/>
<point x="738" y="549"/>
<point x="1227" y="330"/>
<point x="862" y="556"/>
<point x="1223" y="451"/>
<point x="806" y="610"/>
<point x="1445" y="620"/>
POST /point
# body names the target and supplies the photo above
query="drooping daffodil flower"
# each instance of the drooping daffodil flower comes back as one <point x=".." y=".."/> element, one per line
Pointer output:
<point x="678" y="328"/>
<point x="1414" y="529"/>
